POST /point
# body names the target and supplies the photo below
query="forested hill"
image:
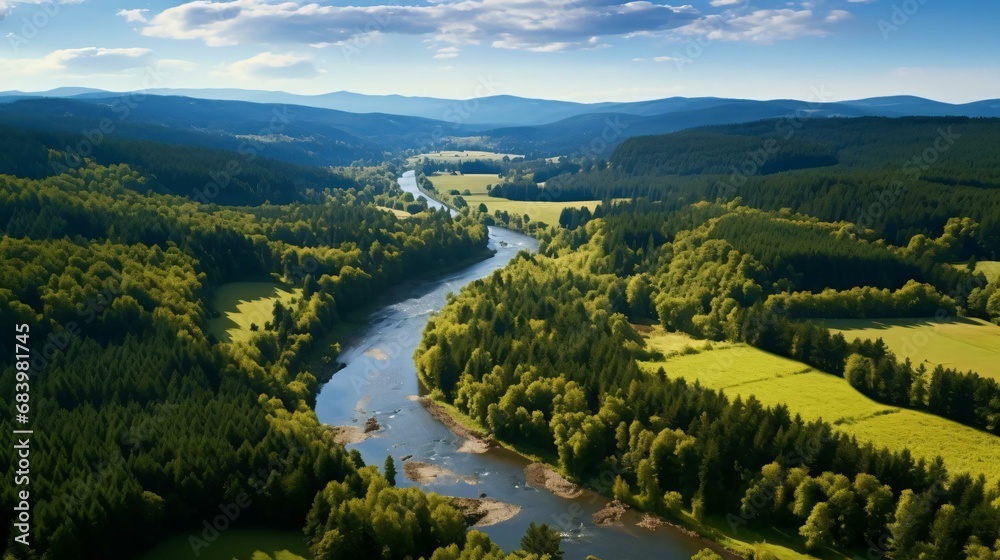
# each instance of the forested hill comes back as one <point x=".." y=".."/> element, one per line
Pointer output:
<point x="712" y="441"/>
<point x="303" y="135"/>
<point x="200" y="173"/>
<point x="145" y="425"/>
<point x="898" y="177"/>
<point x="786" y="144"/>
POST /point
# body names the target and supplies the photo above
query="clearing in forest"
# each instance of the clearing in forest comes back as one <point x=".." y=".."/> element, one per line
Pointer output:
<point x="547" y="212"/>
<point x="242" y="304"/>
<point x="455" y="156"/>
<point x="741" y="371"/>
<point x="959" y="343"/>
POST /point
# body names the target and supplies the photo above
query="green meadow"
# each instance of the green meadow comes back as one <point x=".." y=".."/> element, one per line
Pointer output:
<point x="242" y="304"/>
<point x="455" y="156"/>
<point x="401" y="214"/>
<point x="742" y="371"/>
<point x="961" y="343"/>
<point x="547" y="212"/>
<point x="991" y="269"/>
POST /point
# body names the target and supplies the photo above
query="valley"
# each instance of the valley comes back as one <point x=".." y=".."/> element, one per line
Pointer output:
<point x="497" y="280"/>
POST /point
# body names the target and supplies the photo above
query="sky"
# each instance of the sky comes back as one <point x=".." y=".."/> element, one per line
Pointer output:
<point x="578" y="50"/>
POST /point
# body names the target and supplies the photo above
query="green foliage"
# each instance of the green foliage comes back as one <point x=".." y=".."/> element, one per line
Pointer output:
<point x="389" y="471"/>
<point x="149" y="425"/>
<point x="543" y="541"/>
<point x="366" y="517"/>
<point x="509" y="352"/>
<point x="867" y="171"/>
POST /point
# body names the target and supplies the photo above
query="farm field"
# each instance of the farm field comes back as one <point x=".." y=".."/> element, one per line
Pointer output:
<point x="239" y="544"/>
<point x="241" y="304"/>
<point x="547" y="212"/>
<point x="742" y="370"/>
<point x="454" y="156"/>
<point x="961" y="343"/>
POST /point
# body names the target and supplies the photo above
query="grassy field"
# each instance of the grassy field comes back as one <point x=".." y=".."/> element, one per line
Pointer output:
<point x="741" y="370"/>
<point x="239" y="544"/>
<point x="453" y="156"/>
<point x="961" y="343"/>
<point x="240" y="304"/>
<point x="547" y="212"/>
<point x="991" y="269"/>
<point x="401" y="214"/>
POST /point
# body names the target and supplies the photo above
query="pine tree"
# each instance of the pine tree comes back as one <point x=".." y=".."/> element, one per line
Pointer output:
<point x="542" y="539"/>
<point x="390" y="470"/>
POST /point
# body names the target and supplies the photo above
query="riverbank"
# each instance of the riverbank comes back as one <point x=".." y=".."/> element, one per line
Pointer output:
<point x="484" y="512"/>
<point x="379" y="379"/>
<point x="476" y="441"/>
<point x="711" y="532"/>
<point x="323" y="355"/>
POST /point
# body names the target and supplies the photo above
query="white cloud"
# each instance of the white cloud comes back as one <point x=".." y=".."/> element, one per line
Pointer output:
<point x="533" y="25"/>
<point x="665" y="59"/>
<point x="837" y="16"/>
<point x="98" y="60"/>
<point x="765" y="26"/>
<point x="133" y="15"/>
<point x="447" y="52"/>
<point x="718" y="3"/>
<point x="93" y="61"/>
<point x="273" y="66"/>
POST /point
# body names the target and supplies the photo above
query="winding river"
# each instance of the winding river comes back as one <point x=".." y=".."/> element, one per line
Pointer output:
<point x="378" y="379"/>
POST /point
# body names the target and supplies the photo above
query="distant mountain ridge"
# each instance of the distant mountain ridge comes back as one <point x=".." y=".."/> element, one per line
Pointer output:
<point x="368" y="127"/>
<point x="508" y="110"/>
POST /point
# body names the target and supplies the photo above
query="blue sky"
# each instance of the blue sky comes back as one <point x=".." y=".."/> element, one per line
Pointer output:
<point x="581" y="50"/>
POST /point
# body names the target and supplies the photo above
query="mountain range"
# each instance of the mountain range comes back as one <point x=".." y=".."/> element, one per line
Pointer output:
<point x="340" y="127"/>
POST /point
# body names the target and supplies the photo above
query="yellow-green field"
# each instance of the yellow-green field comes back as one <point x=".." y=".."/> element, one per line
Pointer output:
<point x="990" y="268"/>
<point x="741" y="370"/>
<point x="238" y="544"/>
<point x="454" y="156"/>
<point x="961" y="343"/>
<point x="547" y="212"/>
<point x="241" y="304"/>
<point x="401" y="214"/>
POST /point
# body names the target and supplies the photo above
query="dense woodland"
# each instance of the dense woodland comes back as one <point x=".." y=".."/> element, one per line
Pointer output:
<point x="201" y="173"/>
<point x="145" y="425"/>
<point x="509" y="352"/>
<point x="897" y="177"/>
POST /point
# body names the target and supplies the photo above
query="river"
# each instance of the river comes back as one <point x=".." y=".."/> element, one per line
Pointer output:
<point x="378" y="379"/>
